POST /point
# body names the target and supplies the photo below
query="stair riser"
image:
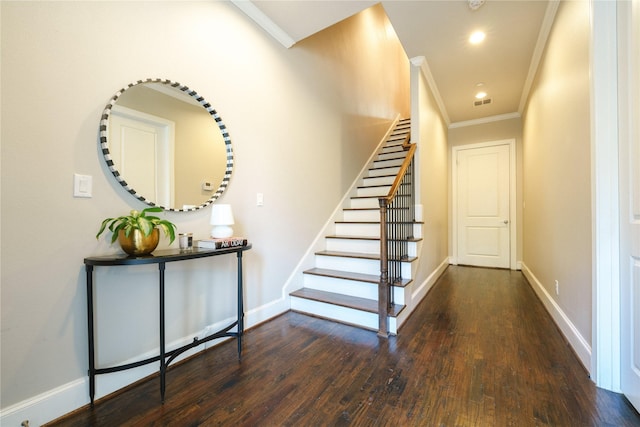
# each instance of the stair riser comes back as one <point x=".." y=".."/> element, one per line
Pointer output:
<point x="362" y="215"/>
<point x="395" y="142"/>
<point x="368" y="230"/>
<point x="368" y="203"/>
<point x="373" y="191"/>
<point x="337" y="313"/>
<point x="398" y="295"/>
<point x="399" y="135"/>
<point x="369" y="215"/>
<point x="363" y="246"/>
<point x="341" y="314"/>
<point x="353" y="245"/>
<point x="350" y="287"/>
<point x="341" y="286"/>
<point x="378" y="180"/>
<point x="391" y="147"/>
<point x="385" y="171"/>
<point x="357" y="265"/>
<point x="387" y="163"/>
<point x="390" y="155"/>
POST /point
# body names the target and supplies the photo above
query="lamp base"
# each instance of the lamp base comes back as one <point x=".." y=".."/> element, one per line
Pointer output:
<point x="221" y="231"/>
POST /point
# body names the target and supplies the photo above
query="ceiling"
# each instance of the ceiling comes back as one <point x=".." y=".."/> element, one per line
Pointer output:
<point x="438" y="31"/>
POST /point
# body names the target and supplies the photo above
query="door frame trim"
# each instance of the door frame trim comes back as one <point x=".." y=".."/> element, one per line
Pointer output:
<point x="511" y="143"/>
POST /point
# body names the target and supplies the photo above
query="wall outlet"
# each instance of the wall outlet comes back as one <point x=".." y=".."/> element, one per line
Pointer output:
<point x="557" y="288"/>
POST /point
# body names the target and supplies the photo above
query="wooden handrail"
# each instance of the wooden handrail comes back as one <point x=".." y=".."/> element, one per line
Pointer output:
<point x="403" y="169"/>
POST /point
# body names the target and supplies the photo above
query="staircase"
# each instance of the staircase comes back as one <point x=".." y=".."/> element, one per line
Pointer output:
<point x="343" y="285"/>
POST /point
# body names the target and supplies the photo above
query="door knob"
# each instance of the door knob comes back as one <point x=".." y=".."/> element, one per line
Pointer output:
<point x="506" y="221"/>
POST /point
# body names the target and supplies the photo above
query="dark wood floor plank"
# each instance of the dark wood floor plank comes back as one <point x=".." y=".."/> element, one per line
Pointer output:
<point x="480" y="350"/>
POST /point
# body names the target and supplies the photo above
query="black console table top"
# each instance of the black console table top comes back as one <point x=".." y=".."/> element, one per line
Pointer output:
<point x="167" y="255"/>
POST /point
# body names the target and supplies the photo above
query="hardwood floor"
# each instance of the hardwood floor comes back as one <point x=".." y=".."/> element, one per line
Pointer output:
<point x="480" y="350"/>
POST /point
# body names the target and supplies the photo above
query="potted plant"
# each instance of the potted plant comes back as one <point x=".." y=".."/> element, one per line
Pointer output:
<point x="138" y="233"/>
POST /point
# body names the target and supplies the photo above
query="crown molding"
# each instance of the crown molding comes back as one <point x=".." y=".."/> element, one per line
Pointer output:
<point x="541" y="43"/>
<point x="421" y="62"/>
<point x="484" y="120"/>
<point x="274" y="30"/>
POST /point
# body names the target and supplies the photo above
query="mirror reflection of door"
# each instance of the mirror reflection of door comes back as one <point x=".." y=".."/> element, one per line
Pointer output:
<point x="142" y="146"/>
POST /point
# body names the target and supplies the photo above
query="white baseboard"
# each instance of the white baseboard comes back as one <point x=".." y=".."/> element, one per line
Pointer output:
<point x="59" y="401"/>
<point x="418" y="292"/>
<point x="580" y="346"/>
<point x="428" y="283"/>
<point x="47" y="406"/>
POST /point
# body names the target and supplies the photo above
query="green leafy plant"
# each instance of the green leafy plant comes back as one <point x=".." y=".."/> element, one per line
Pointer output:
<point x="138" y="220"/>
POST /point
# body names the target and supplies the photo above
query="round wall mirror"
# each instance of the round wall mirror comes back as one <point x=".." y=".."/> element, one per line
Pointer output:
<point x="166" y="145"/>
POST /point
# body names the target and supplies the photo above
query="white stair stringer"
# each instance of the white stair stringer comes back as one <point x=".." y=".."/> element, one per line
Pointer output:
<point x="343" y="285"/>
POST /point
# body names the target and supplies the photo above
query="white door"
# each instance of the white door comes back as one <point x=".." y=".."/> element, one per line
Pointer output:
<point x="483" y="206"/>
<point x="630" y="217"/>
<point x="141" y="147"/>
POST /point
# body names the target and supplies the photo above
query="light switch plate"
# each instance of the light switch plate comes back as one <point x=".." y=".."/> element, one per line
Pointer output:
<point x="82" y="185"/>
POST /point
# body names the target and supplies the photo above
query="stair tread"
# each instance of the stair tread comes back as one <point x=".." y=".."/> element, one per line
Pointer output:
<point x="368" y="209"/>
<point x="352" y="237"/>
<point x="365" y="197"/>
<point x="362" y="187"/>
<point x="378" y="222"/>
<point x="339" y="274"/>
<point x="402" y="157"/>
<point x="377" y="168"/>
<point x="357" y="303"/>
<point x="393" y="144"/>
<point x="374" y="186"/>
<point x="349" y="275"/>
<point x="361" y="255"/>
<point x="373" y="196"/>
<point x="379" y="176"/>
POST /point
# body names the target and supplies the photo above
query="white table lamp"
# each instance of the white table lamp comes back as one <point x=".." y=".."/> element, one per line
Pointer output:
<point x="222" y="220"/>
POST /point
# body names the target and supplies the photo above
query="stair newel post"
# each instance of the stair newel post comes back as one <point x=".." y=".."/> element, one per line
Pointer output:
<point x="383" y="286"/>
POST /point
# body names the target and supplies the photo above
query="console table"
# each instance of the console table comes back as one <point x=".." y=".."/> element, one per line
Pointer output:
<point x="160" y="257"/>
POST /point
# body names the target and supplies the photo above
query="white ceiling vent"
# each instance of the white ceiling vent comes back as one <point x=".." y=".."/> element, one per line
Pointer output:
<point x="482" y="102"/>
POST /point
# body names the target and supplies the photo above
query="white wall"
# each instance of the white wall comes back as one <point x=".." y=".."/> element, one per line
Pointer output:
<point x="429" y="131"/>
<point x="557" y="178"/>
<point x="300" y="136"/>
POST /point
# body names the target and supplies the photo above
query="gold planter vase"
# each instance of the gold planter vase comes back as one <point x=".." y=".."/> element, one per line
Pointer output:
<point x="137" y="243"/>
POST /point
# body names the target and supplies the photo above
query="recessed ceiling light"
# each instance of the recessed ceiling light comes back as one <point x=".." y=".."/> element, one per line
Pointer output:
<point x="481" y="95"/>
<point x="477" y="37"/>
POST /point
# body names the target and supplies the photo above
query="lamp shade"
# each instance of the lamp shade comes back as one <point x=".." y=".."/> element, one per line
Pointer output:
<point x="221" y="219"/>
